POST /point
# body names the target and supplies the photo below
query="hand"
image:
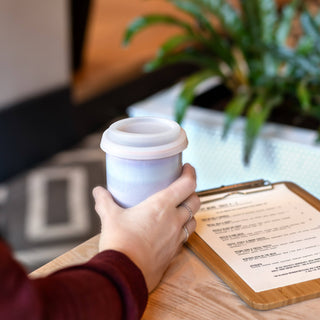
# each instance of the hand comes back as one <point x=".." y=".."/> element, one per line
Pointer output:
<point x="151" y="233"/>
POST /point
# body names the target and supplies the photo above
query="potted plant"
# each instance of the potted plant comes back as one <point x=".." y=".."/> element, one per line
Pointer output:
<point x="247" y="47"/>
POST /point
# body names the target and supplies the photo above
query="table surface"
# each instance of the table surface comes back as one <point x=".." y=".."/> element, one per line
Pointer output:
<point x="189" y="290"/>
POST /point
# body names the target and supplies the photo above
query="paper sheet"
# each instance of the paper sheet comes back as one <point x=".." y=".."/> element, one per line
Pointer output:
<point x="270" y="239"/>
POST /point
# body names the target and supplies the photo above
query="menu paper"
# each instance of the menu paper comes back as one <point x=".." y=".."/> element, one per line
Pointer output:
<point x="271" y="239"/>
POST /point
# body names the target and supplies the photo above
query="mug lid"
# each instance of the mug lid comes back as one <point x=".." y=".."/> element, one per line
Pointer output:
<point x="144" y="138"/>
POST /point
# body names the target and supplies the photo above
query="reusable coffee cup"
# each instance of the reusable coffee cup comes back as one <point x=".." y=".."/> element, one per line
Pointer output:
<point x="143" y="156"/>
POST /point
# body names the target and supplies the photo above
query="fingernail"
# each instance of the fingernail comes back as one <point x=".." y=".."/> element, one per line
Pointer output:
<point x="95" y="191"/>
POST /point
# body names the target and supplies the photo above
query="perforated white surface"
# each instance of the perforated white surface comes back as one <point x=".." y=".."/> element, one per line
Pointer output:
<point x="282" y="154"/>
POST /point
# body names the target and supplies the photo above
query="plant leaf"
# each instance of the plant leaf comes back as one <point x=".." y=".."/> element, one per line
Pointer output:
<point x="143" y="22"/>
<point x="190" y="56"/>
<point x="174" y="43"/>
<point x="196" y="12"/>
<point x="234" y="109"/>
<point x="259" y="18"/>
<point x="305" y="46"/>
<point x="304" y="96"/>
<point x="317" y="19"/>
<point x="187" y="94"/>
<point x="227" y="15"/>
<point x="296" y="60"/>
<point x="251" y="20"/>
<point x="311" y="28"/>
<point x="285" y="22"/>
<point x="257" y="115"/>
<point x="268" y="16"/>
<point x="215" y="41"/>
<point x="253" y="26"/>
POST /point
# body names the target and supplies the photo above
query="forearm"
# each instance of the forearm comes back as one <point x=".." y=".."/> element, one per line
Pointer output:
<point x="109" y="286"/>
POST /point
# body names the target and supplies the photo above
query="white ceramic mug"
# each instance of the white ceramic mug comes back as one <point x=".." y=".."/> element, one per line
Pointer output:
<point x="143" y="156"/>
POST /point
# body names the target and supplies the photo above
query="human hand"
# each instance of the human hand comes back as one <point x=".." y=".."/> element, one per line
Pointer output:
<point x="151" y="233"/>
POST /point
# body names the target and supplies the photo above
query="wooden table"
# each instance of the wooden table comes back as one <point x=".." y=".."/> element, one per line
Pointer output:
<point x="189" y="291"/>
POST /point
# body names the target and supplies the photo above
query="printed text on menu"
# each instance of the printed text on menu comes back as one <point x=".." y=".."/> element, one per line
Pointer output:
<point x="270" y="239"/>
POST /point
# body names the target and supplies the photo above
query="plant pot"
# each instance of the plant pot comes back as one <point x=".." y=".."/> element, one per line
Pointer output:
<point x="281" y="153"/>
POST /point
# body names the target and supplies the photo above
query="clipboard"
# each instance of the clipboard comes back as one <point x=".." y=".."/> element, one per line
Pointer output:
<point x="263" y="300"/>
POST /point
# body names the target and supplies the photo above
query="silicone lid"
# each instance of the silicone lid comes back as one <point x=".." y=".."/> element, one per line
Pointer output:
<point x="144" y="138"/>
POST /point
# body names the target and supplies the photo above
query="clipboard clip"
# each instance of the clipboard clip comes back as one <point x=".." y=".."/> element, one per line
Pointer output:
<point x="241" y="188"/>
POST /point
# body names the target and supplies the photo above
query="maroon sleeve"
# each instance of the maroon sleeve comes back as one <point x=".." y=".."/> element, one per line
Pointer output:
<point x="109" y="286"/>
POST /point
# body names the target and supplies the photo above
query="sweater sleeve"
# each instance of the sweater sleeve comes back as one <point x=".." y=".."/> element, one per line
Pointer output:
<point x="109" y="286"/>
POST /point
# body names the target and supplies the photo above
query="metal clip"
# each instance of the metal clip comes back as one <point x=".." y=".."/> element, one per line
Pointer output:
<point x="243" y="189"/>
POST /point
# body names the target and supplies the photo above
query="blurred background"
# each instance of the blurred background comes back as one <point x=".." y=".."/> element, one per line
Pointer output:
<point x="64" y="78"/>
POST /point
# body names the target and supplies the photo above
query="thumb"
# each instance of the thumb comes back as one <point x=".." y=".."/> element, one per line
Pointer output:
<point x="104" y="203"/>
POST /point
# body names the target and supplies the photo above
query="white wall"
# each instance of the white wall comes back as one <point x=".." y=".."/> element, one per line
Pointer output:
<point x="35" y="47"/>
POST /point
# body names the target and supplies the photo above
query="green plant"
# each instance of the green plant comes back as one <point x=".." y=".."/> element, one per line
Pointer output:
<point x="247" y="48"/>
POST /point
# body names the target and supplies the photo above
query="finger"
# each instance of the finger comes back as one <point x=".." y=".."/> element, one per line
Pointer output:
<point x="188" y="208"/>
<point x="187" y="230"/>
<point x="104" y="203"/>
<point x="182" y="188"/>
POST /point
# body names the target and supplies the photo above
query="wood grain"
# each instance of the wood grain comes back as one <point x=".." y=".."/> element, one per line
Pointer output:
<point x="190" y="290"/>
<point x="77" y="255"/>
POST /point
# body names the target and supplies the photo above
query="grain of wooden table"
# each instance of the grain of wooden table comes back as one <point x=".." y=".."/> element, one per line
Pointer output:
<point x="189" y="291"/>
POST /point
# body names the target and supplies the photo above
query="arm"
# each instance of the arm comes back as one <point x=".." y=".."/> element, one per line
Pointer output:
<point x="108" y="286"/>
<point x="136" y="246"/>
